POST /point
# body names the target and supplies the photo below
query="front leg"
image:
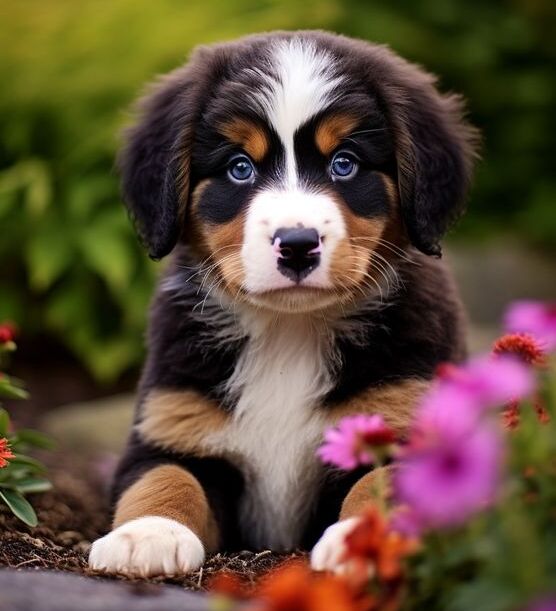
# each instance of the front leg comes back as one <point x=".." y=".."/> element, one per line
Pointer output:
<point x="329" y="552"/>
<point x="162" y="525"/>
<point x="395" y="403"/>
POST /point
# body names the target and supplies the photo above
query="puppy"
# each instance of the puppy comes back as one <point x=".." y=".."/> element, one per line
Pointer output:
<point x="302" y="182"/>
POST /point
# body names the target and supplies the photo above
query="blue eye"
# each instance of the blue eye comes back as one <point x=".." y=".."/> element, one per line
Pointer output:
<point x="241" y="169"/>
<point x="343" y="166"/>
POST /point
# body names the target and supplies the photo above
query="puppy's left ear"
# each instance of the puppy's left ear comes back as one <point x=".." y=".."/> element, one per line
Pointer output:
<point x="435" y="150"/>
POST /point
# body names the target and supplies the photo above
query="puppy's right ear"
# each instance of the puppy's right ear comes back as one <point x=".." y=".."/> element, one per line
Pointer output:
<point x="155" y="160"/>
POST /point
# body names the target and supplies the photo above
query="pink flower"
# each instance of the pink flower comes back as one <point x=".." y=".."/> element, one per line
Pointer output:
<point x="450" y="476"/>
<point x="546" y="604"/>
<point x="533" y="317"/>
<point x="406" y="522"/>
<point x="355" y="441"/>
<point x="489" y="382"/>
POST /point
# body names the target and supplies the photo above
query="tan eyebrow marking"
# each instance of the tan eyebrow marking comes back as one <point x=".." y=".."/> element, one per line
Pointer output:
<point x="249" y="135"/>
<point x="332" y="129"/>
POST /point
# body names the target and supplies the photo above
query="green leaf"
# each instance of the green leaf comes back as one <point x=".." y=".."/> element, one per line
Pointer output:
<point x="19" y="506"/>
<point x="9" y="390"/>
<point x="4" y="422"/>
<point x="48" y="256"/>
<point x="22" y="459"/>
<point x="32" y="485"/>
<point x="34" y="438"/>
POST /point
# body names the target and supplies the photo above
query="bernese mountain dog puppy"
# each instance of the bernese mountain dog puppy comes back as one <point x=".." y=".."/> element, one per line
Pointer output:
<point x="302" y="182"/>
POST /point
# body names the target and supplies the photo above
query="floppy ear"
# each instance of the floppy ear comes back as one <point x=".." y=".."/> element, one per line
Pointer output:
<point x="155" y="160"/>
<point x="435" y="149"/>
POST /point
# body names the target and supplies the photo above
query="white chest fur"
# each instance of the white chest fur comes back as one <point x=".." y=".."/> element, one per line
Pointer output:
<point x="279" y="379"/>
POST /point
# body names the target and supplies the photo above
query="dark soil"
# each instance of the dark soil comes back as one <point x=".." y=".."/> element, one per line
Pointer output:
<point x="75" y="513"/>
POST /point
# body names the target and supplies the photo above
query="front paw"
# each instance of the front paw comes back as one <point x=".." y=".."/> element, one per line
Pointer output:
<point x="148" y="546"/>
<point x="330" y="551"/>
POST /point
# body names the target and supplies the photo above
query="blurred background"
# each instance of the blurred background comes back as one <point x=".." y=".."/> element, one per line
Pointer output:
<point x="72" y="274"/>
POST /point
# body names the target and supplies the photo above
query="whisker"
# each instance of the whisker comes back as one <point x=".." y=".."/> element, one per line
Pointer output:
<point x="389" y="245"/>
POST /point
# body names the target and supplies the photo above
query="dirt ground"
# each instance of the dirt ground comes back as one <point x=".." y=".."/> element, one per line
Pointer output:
<point x="75" y="513"/>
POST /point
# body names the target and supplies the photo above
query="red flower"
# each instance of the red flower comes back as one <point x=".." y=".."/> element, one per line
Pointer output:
<point x="530" y="351"/>
<point x="511" y="416"/>
<point x="541" y="411"/>
<point x="5" y="452"/>
<point x="523" y="346"/>
<point x="7" y="332"/>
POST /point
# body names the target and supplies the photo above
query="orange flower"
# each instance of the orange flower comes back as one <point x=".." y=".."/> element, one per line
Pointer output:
<point x="5" y="452"/>
<point x="295" y="588"/>
<point x="230" y="585"/>
<point x="374" y="542"/>
<point x="522" y="345"/>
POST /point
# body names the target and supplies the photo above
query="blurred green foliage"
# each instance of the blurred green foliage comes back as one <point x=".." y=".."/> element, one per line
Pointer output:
<point x="70" y="264"/>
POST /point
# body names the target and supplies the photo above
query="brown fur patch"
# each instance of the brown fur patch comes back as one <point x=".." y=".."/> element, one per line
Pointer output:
<point x="365" y="491"/>
<point x="172" y="492"/>
<point x="332" y="129"/>
<point x="179" y="420"/>
<point x="250" y="136"/>
<point x="395" y="402"/>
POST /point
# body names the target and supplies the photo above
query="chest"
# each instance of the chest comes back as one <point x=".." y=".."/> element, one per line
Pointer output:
<point x="277" y="385"/>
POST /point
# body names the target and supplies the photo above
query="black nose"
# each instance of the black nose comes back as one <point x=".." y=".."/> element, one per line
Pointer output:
<point x="298" y="251"/>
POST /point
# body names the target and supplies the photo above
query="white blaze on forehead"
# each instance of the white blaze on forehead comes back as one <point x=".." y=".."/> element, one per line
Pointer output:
<point x="304" y="82"/>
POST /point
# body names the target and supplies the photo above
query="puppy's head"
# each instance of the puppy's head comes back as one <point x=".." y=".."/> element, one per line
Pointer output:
<point x="297" y="166"/>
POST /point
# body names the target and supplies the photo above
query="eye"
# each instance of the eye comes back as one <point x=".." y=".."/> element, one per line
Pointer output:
<point x="241" y="169"/>
<point x="343" y="166"/>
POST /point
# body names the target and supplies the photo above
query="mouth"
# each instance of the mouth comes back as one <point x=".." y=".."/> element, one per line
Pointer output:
<point x="295" y="299"/>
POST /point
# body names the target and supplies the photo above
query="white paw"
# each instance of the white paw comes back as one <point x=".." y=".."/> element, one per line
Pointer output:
<point x="329" y="552"/>
<point x="146" y="547"/>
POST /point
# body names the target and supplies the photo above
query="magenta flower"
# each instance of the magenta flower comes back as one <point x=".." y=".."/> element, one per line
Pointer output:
<point x="356" y="440"/>
<point x="535" y="317"/>
<point x="449" y="476"/>
<point x="407" y="522"/>
<point x="488" y="382"/>
<point x="546" y="604"/>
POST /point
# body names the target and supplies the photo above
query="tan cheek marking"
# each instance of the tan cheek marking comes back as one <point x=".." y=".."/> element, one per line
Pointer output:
<point x="395" y="402"/>
<point x="352" y="259"/>
<point x="251" y="137"/>
<point x="194" y="225"/>
<point x="332" y="129"/>
<point x="225" y="243"/>
<point x="180" y="420"/>
<point x="222" y="242"/>
<point x="171" y="492"/>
